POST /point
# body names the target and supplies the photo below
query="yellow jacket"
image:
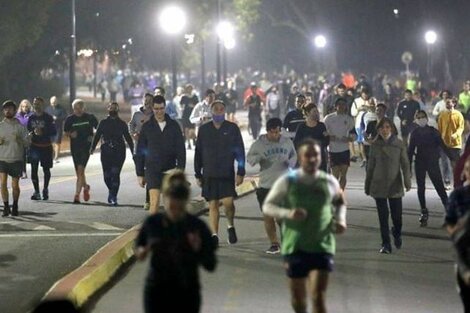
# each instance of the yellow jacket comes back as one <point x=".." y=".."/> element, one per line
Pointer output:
<point x="451" y="125"/>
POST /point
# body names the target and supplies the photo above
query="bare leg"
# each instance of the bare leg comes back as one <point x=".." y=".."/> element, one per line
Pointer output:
<point x="4" y="189"/>
<point x="81" y="182"/>
<point x="229" y="210"/>
<point x="214" y="216"/>
<point x="154" y="200"/>
<point x="318" y="282"/>
<point x="270" y="227"/>
<point x="298" y="293"/>
<point x="15" y="186"/>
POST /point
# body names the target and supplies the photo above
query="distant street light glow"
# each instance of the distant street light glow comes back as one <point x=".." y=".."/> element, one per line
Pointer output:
<point x="225" y="30"/>
<point x="172" y="20"/>
<point x="229" y="43"/>
<point x="319" y="41"/>
<point x="430" y="37"/>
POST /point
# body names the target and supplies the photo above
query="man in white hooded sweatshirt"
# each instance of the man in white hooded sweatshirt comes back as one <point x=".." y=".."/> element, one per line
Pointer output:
<point x="275" y="155"/>
<point x="13" y="139"/>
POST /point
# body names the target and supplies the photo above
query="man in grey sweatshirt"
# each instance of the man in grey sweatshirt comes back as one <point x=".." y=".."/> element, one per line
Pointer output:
<point x="13" y="139"/>
<point x="275" y="155"/>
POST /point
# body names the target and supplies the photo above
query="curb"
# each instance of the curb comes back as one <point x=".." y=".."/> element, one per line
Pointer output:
<point x="84" y="282"/>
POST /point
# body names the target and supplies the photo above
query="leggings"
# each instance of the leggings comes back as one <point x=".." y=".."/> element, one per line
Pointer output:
<point x="112" y="161"/>
<point x="432" y="168"/>
<point x="35" y="177"/>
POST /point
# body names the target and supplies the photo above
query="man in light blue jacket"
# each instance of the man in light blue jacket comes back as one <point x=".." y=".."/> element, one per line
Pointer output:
<point x="275" y="155"/>
<point x="13" y="139"/>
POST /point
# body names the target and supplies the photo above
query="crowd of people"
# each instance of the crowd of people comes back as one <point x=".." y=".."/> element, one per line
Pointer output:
<point x="304" y="161"/>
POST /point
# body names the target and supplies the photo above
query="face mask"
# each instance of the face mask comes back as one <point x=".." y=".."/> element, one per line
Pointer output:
<point x="218" y="118"/>
<point x="422" y="122"/>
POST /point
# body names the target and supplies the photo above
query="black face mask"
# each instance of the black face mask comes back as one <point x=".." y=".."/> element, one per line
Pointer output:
<point x="113" y="113"/>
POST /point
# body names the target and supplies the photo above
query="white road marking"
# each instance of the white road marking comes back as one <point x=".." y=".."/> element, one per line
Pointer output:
<point x="101" y="226"/>
<point x="31" y="235"/>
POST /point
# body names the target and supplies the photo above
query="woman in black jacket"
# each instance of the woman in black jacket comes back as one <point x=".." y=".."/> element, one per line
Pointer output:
<point x="179" y="243"/>
<point x="425" y="143"/>
<point x="313" y="128"/>
<point x="112" y="131"/>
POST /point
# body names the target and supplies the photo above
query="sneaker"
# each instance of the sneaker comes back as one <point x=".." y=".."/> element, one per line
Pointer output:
<point x="14" y="211"/>
<point x="364" y="163"/>
<point x="6" y="211"/>
<point x="396" y="239"/>
<point x="354" y="159"/>
<point x="274" y="249"/>
<point x="215" y="240"/>
<point x="45" y="194"/>
<point x="232" y="235"/>
<point x="146" y="206"/>
<point x="86" y="193"/>
<point x="36" y="196"/>
<point x="386" y="249"/>
<point x="56" y="161"/>
<point x="76" y="199"/>
<point x="110" y="199"/>
<point x="423" y="218"/>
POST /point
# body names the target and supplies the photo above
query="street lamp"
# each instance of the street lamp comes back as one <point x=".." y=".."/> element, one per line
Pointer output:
<point x="225" y="33"/>
<point x="430" y="37"/>
<point x="319" y="41"/>
<point x="73" y="56"/>
<point x="172" y="21"/>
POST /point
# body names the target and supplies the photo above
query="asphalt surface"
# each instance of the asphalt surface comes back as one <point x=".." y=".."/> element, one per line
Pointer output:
<point x="51" y="238"/>
<point x="417" y="278"/>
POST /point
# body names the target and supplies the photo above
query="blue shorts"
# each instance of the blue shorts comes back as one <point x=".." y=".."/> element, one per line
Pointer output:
<point x="360" y="135"/>
<point x="299" y="264"/>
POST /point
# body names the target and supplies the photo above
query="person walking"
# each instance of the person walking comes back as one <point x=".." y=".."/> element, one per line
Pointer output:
<point x="178" y="244"/>
<point x="139" y="117"/>
<point x="457" y="220"/>
<point x="219" y="143"/>
<point x="202" y="111"/>
<point x="24" y="112"/>
<point x="311" y="206"/>
<point x="42" y="128"/>
<point x="189" y="101"/>
<point x="313" y="128"/>
<point x="58" y="114"/>
<point x="295" y="117"/>
<point x="13" y="140"/>
<point x="275" y="154"/>
<point x="388" y="172"/>
<point x="160" y="148"/>
<point x="112" y="131"/>
<point x="273" y="103"/>
<point x="425" y="144"/>
<point x="340" y="128"/>
<point x="79" y="126"/>
<point x="255" y="105"/>
<point x="406" y="111"/>
<point x="451" y="125"/>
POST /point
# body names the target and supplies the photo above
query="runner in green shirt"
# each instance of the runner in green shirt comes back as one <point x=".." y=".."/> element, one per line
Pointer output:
<point x="464" y="98"/>
<point x="311" y="204"/>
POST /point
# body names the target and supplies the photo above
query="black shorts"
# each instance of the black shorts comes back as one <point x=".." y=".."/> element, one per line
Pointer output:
<point x="218" y="188"/>
<point x="154" y="178"/>
<point x="340" y="158"/>
<point x="230" y="108"/>
<point x="58" y="137"/>
<point x="299" y="264"/>
<point x="261" y="194"/>
<point x="13" y="169"/>
<point x="80" y="156"/>
<point x="44" y="155"/>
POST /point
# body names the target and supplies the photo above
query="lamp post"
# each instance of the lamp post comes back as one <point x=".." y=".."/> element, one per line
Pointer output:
<point x="73" y="56"/>
<point x="320" y="43"/>
<point x="225" y="34"/>
<point x="173" y="20"/>
<point x="430" y="37"/>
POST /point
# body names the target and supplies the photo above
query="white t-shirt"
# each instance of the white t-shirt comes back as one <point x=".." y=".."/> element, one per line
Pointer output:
<point x="162" y="125"/>
<point x="340" y="126"/>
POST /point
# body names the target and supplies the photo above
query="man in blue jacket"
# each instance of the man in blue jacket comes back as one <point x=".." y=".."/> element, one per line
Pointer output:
<point x="160" y="148"/>
<point x="218" y="144"/>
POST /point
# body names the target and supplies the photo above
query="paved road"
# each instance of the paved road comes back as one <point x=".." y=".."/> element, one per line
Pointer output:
<point x="51" y="238"/>
<point x="418" y="278"/>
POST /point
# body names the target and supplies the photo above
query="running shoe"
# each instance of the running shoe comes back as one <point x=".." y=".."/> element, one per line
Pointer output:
<point x="36" y="196"/>
<point x="76" y="199"/>
<point x="14" y="210"/>
<point x="232" y="235"/>
<point x="86" y="193"/>
<point x="146" y="206"/>
<point x="45" y="194"/>
<point x="215" y="240"/>
<point x="386" y="249"/>
<point x="274" y="249"/>
<point x="6" y="211"/>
